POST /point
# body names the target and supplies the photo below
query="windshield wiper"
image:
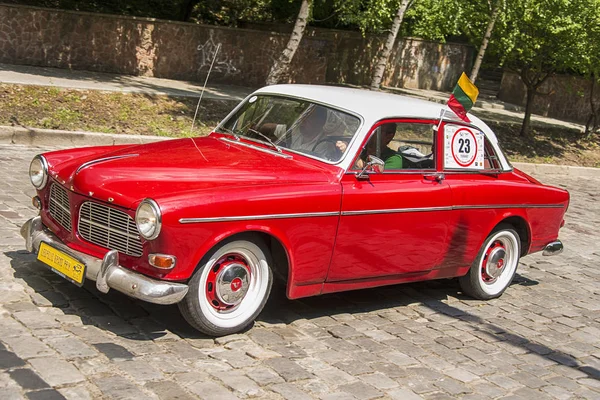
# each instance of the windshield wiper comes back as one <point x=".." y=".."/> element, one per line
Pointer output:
<point x="227" y="130"/>
<point x="267" y="138"/>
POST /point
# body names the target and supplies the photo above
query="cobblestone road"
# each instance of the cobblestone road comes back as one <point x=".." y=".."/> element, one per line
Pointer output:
<point x="540" y="340"/>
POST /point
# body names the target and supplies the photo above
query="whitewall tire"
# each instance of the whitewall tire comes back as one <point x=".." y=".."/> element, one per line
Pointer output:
<point x="230" y="288"/>
<point x="495" y="266"/>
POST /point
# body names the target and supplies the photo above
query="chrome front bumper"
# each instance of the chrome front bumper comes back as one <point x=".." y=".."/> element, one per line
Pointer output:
<point x="553" y="248"/>
<point x="107" y="272"/>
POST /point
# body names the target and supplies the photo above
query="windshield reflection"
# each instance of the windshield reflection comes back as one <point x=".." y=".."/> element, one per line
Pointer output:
<point x="292" y="124"/>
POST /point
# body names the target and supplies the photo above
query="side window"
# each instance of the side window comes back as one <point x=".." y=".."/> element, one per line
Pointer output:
<point x="491" y="160"/>
<point x="402" y="146"/>
<point x="415" y="144"/>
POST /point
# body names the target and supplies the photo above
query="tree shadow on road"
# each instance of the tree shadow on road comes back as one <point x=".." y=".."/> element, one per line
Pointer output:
<point x="437" y="296"/>
<point x="127" y="83"/>
<point x="132" y="320"/>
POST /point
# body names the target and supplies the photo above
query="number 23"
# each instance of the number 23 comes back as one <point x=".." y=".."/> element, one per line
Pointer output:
<point x="464" y="146"/>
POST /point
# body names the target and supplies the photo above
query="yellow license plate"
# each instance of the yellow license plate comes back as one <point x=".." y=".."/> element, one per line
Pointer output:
<point x="65" y="265"/>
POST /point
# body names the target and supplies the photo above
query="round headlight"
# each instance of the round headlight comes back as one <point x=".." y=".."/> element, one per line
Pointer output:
<point x="148" y="219"/>
<point x="38" y="172"/>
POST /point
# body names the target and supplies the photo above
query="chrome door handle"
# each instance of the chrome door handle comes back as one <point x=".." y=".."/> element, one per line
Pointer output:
<point x="437" y="177"/>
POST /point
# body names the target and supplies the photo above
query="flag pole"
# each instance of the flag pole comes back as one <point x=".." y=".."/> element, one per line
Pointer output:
<point x="442" y="113"/>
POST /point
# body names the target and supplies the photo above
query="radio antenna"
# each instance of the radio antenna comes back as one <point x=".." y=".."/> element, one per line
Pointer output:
<point x="204" y="87"/>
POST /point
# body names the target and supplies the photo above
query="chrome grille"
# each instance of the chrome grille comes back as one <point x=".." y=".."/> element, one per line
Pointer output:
<point x="59" y="206"/>
<point x="110" y="228"/>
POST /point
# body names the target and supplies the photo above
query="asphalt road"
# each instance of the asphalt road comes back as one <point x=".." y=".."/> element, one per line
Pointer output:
<point x="540" y="340"/>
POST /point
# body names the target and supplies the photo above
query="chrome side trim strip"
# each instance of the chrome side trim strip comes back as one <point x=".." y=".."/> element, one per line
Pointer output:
<point x="509" y="206"/>
<point x="361" y="212"/>
<point x="256" y="217"/>
<point x="396" y="210"/>
<point x="99" y="160"/>
<point x="275" y="153"/>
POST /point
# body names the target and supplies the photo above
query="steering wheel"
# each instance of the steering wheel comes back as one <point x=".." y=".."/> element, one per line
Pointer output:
<point x="337" y="154"/>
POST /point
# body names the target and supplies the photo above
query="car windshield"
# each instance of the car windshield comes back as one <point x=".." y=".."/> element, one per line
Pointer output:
<point x="293" y="124"/>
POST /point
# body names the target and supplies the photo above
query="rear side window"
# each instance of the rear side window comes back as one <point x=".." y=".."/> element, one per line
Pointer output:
<point x="402" y="146"/>
<point x="415" y="143"/>
<point x="491" y="160"/>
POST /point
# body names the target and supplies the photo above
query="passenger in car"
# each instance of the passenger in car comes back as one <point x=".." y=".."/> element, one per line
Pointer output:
<point x="392" y="160"/>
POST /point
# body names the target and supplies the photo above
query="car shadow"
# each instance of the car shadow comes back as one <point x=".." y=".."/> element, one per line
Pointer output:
<point x="113" y="312"/>
<point x="135" y="320"/>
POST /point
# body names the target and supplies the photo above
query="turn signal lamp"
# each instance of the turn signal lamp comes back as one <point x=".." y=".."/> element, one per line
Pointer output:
<point x="37" y="203"/>
<point x="162" y="261"/>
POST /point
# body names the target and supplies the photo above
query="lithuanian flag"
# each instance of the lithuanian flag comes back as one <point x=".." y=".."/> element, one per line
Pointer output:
<point x="463" y="97"/>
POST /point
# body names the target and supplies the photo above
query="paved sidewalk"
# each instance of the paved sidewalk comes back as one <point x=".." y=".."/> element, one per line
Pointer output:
<point x="490" y="109"/>
<point x="29" y="75"/>
<point x="540" y="340"/>
<point x="64" y="78"/>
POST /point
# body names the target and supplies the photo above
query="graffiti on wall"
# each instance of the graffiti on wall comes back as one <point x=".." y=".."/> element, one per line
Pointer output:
<point x="206" y="54"/>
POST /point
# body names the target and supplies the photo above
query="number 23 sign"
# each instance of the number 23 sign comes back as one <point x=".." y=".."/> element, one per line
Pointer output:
<point x="463" y="148"/>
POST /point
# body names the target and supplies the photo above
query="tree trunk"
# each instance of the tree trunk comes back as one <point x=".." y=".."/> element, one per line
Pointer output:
<point x="592" y="123"/>
<point x="387" y="48"/>
<point x="533" y="79"/>
<point x="282" y="64"/>
<point x="528" y="109"/>
<point x="486" y="40"/>
<point x="187" y="8"/>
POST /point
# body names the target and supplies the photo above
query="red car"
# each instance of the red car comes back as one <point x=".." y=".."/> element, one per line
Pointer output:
<point x="331" y="189"/>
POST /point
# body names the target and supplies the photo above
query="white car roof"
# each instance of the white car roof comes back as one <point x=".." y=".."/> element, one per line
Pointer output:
<point x="373" y="106"/>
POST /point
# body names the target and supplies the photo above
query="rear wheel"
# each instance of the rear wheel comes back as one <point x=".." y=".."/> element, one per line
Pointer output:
<point x="495" y="266"/>
<point x="230" y="289"/>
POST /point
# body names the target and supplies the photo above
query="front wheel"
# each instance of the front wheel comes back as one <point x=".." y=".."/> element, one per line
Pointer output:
<point x="495" y="266"/>
<point x="230" y="289"/>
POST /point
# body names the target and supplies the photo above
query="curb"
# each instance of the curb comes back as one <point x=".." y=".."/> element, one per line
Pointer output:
<point x="52" y="137"/>
<point x="553" y="169"/>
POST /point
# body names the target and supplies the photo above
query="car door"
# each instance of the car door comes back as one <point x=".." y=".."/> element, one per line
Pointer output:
<point x="395" y="222"/>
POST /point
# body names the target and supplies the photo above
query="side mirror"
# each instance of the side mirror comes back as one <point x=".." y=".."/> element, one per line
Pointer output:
<point x="374" y="165"/>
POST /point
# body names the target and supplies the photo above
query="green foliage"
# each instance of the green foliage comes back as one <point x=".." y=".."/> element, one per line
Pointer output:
<point x="231" y="12"/>
<point x="143" y="8"/>
<point x="590" y="47"/>
<point x="370" y="16"/>
<point x="545" y="35"/>
<point x="427" y="19"/>
<point x="435" y="19"/>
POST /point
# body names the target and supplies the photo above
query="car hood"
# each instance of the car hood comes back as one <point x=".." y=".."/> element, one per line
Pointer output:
<point x="129" y="174"/>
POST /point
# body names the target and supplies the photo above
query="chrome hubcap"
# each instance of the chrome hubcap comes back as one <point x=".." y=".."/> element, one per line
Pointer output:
<point x="232" y="284"/>
<point x="228" y="282"/>
<point x="495" y="262"/>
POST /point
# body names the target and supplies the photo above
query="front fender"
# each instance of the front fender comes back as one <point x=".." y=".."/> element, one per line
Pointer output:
<point x="303" y="218"/>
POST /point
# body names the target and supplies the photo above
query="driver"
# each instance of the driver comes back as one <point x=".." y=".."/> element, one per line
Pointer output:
<point x="307" y="137"/>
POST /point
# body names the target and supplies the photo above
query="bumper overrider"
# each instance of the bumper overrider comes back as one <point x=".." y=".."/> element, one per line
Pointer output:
<point x="107" y="272"/>
<point x="553" y="248"/>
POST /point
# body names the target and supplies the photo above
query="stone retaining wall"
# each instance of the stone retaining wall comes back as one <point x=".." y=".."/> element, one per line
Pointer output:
<point x="167" y="49"/>
<point x="568" y="98"/>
